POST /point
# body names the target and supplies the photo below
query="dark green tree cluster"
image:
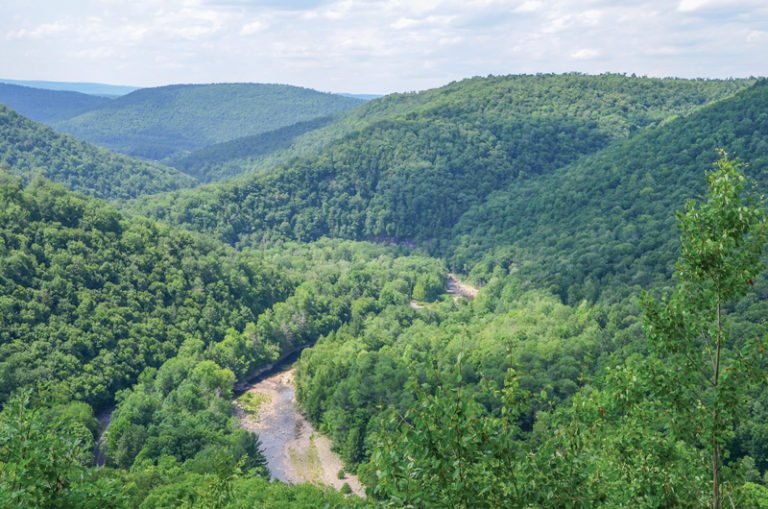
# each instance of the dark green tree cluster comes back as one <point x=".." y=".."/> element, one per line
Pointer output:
<point x="181" y="410"/>
<point x="604" y="226"/>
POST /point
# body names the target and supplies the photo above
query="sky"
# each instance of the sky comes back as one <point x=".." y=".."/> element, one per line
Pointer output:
<point x="376" y="46"/>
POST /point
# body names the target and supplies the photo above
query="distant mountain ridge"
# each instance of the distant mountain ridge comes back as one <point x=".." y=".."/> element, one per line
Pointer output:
<point x="82" y="87"/>
<point x="244" y="155"/>
<point x="170" y="121"/>
<point x="48" y="105"/>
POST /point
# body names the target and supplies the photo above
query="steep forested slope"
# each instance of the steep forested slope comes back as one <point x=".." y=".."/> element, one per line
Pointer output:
<point x="28" y="148"/>
<point x="89" y="299"/>
<point x="157" y="123"/>
<point x="411" y="176"/>
<point x="47" y="105"/>
<point x="607" y="220"/>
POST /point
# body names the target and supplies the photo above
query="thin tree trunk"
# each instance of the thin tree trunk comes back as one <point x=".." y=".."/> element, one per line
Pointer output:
<point x="715" y="445"/>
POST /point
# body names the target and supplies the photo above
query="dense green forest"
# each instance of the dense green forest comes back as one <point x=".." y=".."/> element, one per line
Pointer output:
<point x="238" y="157"/>
<point x="89" y="298"/>
<point x="28" y="148"/>
<point x="607" y="221"/>
<point x="583" y="373"/>
<point x="411" y="177"/>
<point x="163" y="122"/>
<point x="539" y="93"/>
<point x="47" y="105"/>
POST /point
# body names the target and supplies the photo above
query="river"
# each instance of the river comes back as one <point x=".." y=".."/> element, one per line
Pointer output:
<point x="295" y="451"/>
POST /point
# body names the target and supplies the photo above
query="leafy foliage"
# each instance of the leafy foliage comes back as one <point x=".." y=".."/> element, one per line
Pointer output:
<point x="89" y="298"/>
<point x="42" y="456"/>
<point x="703" y="377"/>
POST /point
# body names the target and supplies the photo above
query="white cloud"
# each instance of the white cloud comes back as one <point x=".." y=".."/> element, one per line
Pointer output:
<point x="591" y="17"/>
<point x="585" y="53"/>
<point x="696" y="5"/>
<point x="44" y="31"/>
<point x="529" y="6"/>
<point x="253" y="27"/>
<point x="757" y="36"/>
<point x="376" y="45"/>
<point x="404" y="23"/>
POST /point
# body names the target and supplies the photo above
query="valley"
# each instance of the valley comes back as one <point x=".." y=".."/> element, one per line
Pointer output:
<point x="501" y="292"/>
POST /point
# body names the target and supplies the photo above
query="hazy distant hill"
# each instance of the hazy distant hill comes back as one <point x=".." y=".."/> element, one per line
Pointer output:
<point x="411" y="176"/>
<point x="157" y="123"/>
<point x="28" y="148"/>
<point x="82" y="87"/>
<point x="245" y="155"/>
<point x="47" y="105"/>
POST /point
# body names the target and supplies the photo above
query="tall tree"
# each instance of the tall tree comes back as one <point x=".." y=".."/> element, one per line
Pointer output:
<point x="698" y="370"/>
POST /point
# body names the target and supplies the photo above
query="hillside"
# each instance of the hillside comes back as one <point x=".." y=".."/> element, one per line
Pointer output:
<point x="557" y="384"/>
<point x="164" y="122"/>
<point x="47" y="105"/>
<point x="28" y="148"/>
<point x="245" y="155"/>
<point x="99" y="310"/>
<point x="410" y="176"/>
<point x="538" y="94"/>
<point x="607" y="220"/>
<point x="90" y="299"/>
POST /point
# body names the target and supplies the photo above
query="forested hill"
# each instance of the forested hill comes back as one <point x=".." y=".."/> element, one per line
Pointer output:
<point x="47" y="105"/>
<point x="607" y="221"/>
<point x="156" y="123"/>
<point x="89" y="88"/>
<point x="28" y="148"/>
<point x="615" y="101"/>
<point x="90" y="299"/>
<point x="245" y="155"/>
<point x="430" y="157"/>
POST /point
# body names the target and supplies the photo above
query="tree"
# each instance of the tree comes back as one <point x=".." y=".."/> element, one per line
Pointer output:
<point x="43" y="458"/>
<point x="446" y="451"/>
<point x="698" y="370"/>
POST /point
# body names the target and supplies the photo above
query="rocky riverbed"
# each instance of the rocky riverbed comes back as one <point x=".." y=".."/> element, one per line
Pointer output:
<point x="295" y="452"/>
